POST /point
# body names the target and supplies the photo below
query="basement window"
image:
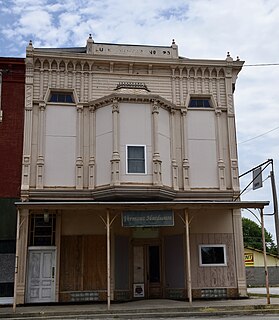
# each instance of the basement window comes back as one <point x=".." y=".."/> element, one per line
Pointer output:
<point x="212" y="255"/>
<point x="61" y="97"/>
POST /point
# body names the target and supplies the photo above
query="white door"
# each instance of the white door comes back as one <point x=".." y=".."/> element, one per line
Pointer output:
<point x="41" y="275"/>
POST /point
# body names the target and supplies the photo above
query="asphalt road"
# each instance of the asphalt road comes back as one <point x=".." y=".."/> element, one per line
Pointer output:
<point x="251" y="317"/>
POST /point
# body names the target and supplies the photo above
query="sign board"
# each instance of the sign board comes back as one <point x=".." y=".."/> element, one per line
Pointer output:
<point x="138" y="290"/>
<point x="151" y="218"/>
<point x="257" y="178"/>
<point x="249" y="258"/>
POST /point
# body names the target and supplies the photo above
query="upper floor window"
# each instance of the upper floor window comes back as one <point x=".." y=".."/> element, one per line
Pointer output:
<point x="62" y="97"/>
<point x="199" y="103"/>
<point x="212" y="255"/>
<point x="135" y="159"/>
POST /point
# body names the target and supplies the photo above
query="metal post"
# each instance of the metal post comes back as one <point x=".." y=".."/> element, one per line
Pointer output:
<point x="188" y="259"/>
<point x="108" y="260"/>
<point x="265" y="264"/>
<point x="275" y="206"/>
<point x="16" y="260"/>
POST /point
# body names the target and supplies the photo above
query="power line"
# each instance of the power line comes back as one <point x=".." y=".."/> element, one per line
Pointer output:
<point x="261" y="65"/>
<point x="260" y="135"/>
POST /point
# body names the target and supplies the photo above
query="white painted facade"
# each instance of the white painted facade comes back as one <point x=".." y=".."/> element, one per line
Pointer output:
<point x="124" y="97"/>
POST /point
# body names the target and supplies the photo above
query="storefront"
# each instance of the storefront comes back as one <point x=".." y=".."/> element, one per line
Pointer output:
<point x="119" y="251"/>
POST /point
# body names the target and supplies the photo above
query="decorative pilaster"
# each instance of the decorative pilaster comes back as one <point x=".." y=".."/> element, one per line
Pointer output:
<point x="21" y="255"/>
<point x="92" y="139"/>
<point x="157" y="163"/>
<point x="239" y="253"/>
<point x="221" y="164"/>
<point x="231" y="125"/>
<point x="181" y="85"/>
<point x="40" y="159"/>
<point x="79" y="160"/>
<point x="173" y="86"/>
<point x="115" y="161"/>
<point x="28" y="117"/>
<point x="218" y="89"/>
<point x="82" y="86"/>
<point x="173" y="153"/>
<point x="185" y="161"/>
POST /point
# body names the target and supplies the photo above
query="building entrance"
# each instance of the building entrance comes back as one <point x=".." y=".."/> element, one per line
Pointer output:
<point x="147" y="271"/>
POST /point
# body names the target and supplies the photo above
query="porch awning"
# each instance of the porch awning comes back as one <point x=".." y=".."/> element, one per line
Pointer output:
<point x="129" y="205"/>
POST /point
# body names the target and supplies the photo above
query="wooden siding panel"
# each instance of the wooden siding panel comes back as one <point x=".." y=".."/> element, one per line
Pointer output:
<point x="95" y="263"/>
<point x="83" y="263"/>
<point x="209" y="277"/>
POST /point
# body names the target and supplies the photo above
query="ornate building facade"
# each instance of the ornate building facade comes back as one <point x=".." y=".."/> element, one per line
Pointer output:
<point x="129" y="176"/>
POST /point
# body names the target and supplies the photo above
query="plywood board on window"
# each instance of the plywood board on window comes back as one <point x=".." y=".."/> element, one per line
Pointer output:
<point x="83" y="263"/>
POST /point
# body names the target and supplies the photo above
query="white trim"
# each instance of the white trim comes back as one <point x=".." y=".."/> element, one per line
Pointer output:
<point x="136" y="145"/>
<point x="213" y="264"/>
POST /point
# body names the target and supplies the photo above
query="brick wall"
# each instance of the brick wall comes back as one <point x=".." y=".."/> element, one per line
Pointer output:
<point x="11" y="127"/>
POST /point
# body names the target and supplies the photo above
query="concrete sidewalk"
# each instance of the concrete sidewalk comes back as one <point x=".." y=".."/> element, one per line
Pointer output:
<point x="143" y="309"/>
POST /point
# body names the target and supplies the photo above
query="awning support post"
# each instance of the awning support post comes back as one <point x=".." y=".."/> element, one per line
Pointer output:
<point x="265" y="263"/>
<point x="16" y="260"/>
<point x="188" y="258"/>
<point x="108" y="260"/>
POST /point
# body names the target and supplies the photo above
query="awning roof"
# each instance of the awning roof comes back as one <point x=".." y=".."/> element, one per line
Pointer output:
<point x="132" y="205"/>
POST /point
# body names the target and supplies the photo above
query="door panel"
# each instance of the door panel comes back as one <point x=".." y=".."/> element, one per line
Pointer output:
<point x="138" y="264"/>
<point x="147" y="269"/>
<point x="154" y="272"/>
<point x="41" y="276"/>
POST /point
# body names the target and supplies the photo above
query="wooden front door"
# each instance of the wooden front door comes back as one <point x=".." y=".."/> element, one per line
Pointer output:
<point x="41" y="275"/>
<point x="147" y="271"/>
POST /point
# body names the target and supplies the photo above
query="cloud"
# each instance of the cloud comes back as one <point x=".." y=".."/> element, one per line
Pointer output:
<point x="204" y="29"/>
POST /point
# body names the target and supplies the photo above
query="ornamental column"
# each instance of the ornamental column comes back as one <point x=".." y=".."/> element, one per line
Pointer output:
<point x="173" y="153"/>
<point x="40" y="158"/>
<point x="28" y="122"/>
<point x="115" y="161"/>
<point x="92" y="147"/>
<point x="184" y="142"/>
<point x="79" y="159"/>
<point x="221" y="164"/>
<point x="157" y="163"/>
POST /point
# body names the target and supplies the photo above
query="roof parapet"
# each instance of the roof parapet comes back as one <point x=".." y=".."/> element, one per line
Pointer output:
<point x="102" y="49"/>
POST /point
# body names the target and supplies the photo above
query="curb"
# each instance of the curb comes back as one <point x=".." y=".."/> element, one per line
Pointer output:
<point x="145" y="313"/>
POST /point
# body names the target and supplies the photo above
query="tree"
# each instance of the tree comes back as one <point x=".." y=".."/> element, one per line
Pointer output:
<point x="252" y="236"/>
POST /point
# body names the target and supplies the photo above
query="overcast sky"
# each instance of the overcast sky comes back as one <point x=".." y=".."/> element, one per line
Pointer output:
<point x="201" y="28"/>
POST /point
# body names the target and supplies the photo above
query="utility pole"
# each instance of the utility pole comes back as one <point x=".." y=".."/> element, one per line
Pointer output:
<point x="274" y="193"/>
<point x="275" y="206"/>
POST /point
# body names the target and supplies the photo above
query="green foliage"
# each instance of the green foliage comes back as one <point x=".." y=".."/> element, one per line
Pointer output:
<point x="252" y="235"/>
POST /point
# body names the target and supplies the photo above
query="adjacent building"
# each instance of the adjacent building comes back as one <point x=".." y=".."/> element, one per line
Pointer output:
<point x="12" y="80"/>
<point x="255" y="268"/>
<point x="129" y="176"/>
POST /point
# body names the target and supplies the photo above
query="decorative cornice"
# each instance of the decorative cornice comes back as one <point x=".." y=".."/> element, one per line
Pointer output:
<point x="131" y="97"/>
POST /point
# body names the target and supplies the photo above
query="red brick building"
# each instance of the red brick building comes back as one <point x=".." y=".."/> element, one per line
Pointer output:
<point x="12" y="84"/>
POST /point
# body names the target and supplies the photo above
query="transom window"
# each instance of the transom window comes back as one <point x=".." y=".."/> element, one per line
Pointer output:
<point x="42" y="230"/>
<point x="62" y="97"/>
<point x="212" y="255"/>
<point x="199" y="103"/>
<point x="135" y="159"/>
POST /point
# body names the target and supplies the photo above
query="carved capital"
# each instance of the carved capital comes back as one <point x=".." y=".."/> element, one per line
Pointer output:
<point x="184" y="112"/>
<point x="155" y="107"/>
<point x="115" y="105"/>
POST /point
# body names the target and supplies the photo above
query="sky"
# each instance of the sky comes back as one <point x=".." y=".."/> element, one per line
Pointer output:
<point x="201" y="29"/>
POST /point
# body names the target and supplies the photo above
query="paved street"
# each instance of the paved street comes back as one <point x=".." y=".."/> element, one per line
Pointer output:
<point x="251" y="317"/>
